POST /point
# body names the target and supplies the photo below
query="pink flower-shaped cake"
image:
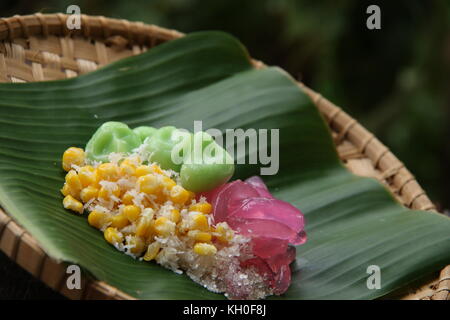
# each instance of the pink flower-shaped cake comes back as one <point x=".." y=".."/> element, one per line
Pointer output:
<point x="249" y="208"/>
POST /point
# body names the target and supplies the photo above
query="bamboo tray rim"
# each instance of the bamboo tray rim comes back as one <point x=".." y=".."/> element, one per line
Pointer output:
<point x="359" y="149"/>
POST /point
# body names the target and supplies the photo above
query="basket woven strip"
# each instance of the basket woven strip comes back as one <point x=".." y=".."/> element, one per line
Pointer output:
<point x="41" y="47"/>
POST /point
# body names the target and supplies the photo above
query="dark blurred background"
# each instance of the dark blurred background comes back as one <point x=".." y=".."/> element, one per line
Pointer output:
<point x="395" y="81"/>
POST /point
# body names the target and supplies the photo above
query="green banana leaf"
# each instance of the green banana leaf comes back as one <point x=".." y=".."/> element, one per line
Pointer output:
<point x="352" y="222"/>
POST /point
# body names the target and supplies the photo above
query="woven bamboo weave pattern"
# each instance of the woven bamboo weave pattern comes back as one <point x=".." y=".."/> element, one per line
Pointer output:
<point x="40" y="47"/>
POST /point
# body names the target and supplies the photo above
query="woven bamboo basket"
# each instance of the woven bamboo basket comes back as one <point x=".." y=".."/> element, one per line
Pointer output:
<point x="40" y="47"/>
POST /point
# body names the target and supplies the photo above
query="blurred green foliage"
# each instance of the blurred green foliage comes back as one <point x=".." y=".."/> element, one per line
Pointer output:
<point x="395" y="81"/>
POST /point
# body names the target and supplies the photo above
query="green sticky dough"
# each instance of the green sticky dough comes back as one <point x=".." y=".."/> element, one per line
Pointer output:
<point x="201" y="162"/>
<point x="111" y="137"/>
<point x="211" y="173"/>
<point x="144" y="132"/>
<point x="207" y="166"/>
<point x="200" y="178"/>
<point x="160" y="147"/>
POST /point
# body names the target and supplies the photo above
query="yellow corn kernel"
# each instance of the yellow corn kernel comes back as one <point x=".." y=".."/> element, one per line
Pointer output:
<point x="98" y="219"/>
<point x="67" y="190"/>
<point x="137" y="244"/>
<point x="183" y="226"/>
<point x="144" y="227"/>
<point x="168" y="183"/>
<point x="73" y="180"/>
<point x="152" y="251"/>
<point x="132" y="212"/>
<point x="223" y="233"/>
<point x="113" y="236"/>
<point x="134" y="162"/>
<point x="191" y="195"/>
<point x="147" y="203"/>
<point x="127" y="198"/>
<point x="200" y="236"/>
<point x="142" y="170"/>
<point x="204" y="249"/>
<point x="156" y="169"/>
<point x="127" y="167"/>
<point x="72" y="156"/>
<point x="88" y="176"/>
<point x="200" y="222"/>
<point x="73" y="204"/>
<point x="175" y="215"/>
<point x="203" y="207"/>
<point x="119" y="221"/>
<point x="179" y="195"/>
<point x="148" y="184"/>
<point x="164" y="227"/>
<point x="88" y="193"/>
<point x="105" y="194"/>
<point x="108" y="171"/>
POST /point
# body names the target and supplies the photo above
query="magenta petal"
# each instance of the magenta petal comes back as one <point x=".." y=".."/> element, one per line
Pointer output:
<point x="262" y="228"/>
<point x="260" y="186"/>
<point x="275" y="262"/>
<point x="272" y="224"/>
<point x="264" y="247"/>
<point x="220" y="203"/>
<point x="282" y="280"/>
<point x="301" y="238"/>
<point x="272" y="209"/>
<point x="230" y="198"/>
<point x="212" y="194"/>
<point x="260" y="265"/>
<point x="275" y="270"/>
<point x="239" y="193"/>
